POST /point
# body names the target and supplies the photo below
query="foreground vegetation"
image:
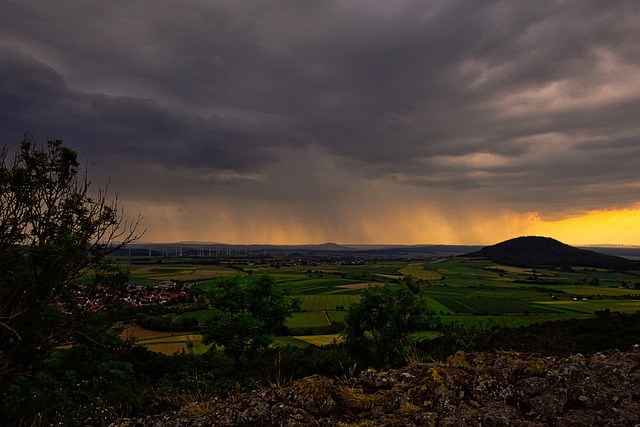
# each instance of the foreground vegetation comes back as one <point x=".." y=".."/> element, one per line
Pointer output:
<point x="76" y="387"/>
<point x="470" y="305"/>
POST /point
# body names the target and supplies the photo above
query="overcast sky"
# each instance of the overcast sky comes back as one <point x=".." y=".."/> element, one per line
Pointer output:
<point x="347" y="121"/>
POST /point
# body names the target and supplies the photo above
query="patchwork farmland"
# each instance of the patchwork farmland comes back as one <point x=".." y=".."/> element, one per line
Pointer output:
<point x="458" y="289"/>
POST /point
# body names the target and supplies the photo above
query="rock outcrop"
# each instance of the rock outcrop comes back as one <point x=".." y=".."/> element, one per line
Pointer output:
<point x="479" y="389"/>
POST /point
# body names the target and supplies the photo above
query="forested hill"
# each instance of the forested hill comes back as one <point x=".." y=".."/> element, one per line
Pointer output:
<point x="538" y="252"/>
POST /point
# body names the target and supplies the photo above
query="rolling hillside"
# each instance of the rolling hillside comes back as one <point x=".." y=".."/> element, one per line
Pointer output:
<point x="539" y="252"/>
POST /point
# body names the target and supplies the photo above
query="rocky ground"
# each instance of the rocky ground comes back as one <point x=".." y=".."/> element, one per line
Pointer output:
<point x="480" y="389"/>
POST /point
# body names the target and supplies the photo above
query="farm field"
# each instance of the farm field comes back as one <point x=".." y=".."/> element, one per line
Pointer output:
<point x="320" y="339"/>
<point x="469" y="291"/>
<point x="309" y="319"/>
<point x="419" y="271"/>
<point x="479" y="286"/>
<point x="325" y="302"/>
<point x="151" y="274"/>
<point x="165" y="342"/>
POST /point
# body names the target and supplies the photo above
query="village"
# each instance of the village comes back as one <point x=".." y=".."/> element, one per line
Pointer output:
<point x="165" y="292"/>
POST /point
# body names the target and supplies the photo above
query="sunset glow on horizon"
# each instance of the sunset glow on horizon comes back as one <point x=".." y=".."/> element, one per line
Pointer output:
<point x="614" y="227"/>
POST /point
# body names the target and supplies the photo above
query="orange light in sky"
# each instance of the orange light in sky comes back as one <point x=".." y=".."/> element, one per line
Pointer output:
<point x="596" y="227"/>
<point x="415" y="223"/>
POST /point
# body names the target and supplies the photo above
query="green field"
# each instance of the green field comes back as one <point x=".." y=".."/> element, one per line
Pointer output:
<point x="151" y="274"/>
<point x="320" y="339"/>
<point x="309" y="319"/>
<point x="479" y="287"/>
<point x="420" y="270"/>
<point x="327" y="301"/>
<point x="457" y="289"/>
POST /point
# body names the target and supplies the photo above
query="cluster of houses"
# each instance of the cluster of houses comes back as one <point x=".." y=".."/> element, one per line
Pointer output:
<point x="294" y="262"/>
<point x="90" y="303"/>
<point x="166" y="292"/>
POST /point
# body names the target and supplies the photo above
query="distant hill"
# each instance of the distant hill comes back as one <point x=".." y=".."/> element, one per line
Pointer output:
<point x="329" y="247"/>
<point x="538" y="252"/>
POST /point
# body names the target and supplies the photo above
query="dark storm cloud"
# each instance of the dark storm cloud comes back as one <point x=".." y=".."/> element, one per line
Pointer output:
<point x="37" y="100"/>
<point x="534" y="103"/>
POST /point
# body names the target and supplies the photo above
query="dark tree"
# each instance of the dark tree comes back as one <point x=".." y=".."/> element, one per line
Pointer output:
<point x="55" y="233"/>
<point x="377" y="328"/>
<point x="247" y="313"/>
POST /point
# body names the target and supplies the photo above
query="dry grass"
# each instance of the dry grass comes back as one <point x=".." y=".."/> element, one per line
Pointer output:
<point x="164" y="342"/>
<point x="320" y="340"/>
<point x="363" y="423"/>
<point x="408" y="408"/>
<point x="356" y="399"/>
<point x="137" y="333"/>
<point x="191" y="403"/>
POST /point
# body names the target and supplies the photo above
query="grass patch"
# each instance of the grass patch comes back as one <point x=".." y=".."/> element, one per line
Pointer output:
<point x="293" y="341"/>
<point x="308" y="319"/>
<point x="591" y="306"/>
<point x="168" y="348"/>
<point x="200" y="315"/>
<point x="137" y="333"/>
<point x="337" y="316"/>
<point x="421" y="271"/>
<point x="599" y="290"/>
<point x="320" y="339"/>
<point x="320" y="302"/>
